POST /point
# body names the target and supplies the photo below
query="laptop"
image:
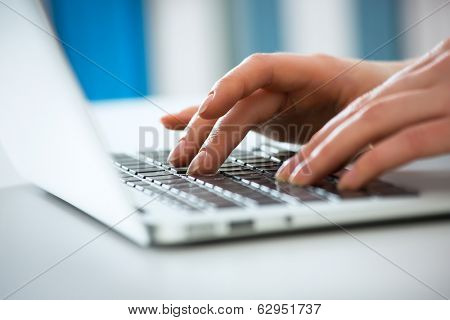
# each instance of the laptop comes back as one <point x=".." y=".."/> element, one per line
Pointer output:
<point x="50" y="136"/>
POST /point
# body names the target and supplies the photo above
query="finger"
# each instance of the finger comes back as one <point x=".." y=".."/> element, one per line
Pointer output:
<point x="420" y="141"/>
<point x="441" y="48"/>
<point x="256" y="72"/>
<point x="381" y="118"/>
<point x="280" y="72"/>
<point x="196" y="132"/>
<point x="180" y="120"/>
<point x="232" y="128"/>
<point x="289" y="165"/>
<point x="419" y="76"/>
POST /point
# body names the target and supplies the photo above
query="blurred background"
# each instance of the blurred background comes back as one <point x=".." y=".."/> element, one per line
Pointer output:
<point x="181" y="47"/>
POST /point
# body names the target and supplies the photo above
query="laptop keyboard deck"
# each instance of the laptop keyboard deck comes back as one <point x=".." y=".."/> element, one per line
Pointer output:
<point x="246" y="179"/>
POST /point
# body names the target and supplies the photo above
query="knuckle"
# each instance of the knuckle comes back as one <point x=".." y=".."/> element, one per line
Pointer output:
<point x="222" y="81"/>
<point x="358" y="104"/>
<point x="439" y="64"/>
<point x="372" y="113"/>
<point x="443" y="61"/>
<point x="230" y="80"/>
<point x="322" y="56"/>
<point x="433" y="55"/>
<point x="445" y="44"/>
<point x="256" y="58"/>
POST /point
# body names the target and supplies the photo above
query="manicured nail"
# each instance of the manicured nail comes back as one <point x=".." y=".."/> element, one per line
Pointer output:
<point x="348" y="180"/>
<point x="300" y="174"/>
<point x="205" y="103"/>
<point x="285" y="170"/>
<point x="203" y="164"/>
<point x="177" y="152"/>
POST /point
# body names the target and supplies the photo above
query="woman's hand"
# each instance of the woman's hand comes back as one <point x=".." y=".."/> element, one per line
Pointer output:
<point x="405" y="118"/>
<point x="271" y="94"/>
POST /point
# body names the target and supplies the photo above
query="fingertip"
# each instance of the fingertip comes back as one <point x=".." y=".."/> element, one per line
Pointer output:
<point x="285" y="170"/>
<point x="204" y="107"/>
<point x="207" y="115"/>
<point x="293" y="179"/>
<point x="171" y="122"/>
<point x="178" y="156"/>
<point x="302" y="174"/>
<point x="215" y="105"/>
<point x="166" y="122"/>
<point x="349" y="181"/>
<point x="203" y="164"/>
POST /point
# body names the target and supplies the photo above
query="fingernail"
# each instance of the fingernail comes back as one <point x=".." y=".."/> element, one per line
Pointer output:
<point x="176" y="153"/>
<point x="203" y="164"/>
<point x="300" y="174"/>
<point x="285" y="170"/>
<point x="205" y="103"/>
<point x="348" y="180"/>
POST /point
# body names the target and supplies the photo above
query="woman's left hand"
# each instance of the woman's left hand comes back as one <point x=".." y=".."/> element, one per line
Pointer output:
<point x="405" y="118"/>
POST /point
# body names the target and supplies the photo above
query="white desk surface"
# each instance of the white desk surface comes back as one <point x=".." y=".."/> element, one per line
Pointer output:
<point x="37" y="230"/>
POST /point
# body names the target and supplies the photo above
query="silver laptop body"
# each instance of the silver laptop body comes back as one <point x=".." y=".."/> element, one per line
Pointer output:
<point x="46" y="127"/>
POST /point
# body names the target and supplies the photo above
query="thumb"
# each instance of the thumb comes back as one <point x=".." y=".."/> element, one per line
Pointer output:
<point x="180" y="120"/>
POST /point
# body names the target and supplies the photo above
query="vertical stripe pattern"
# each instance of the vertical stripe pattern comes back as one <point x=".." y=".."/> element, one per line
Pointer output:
<point x="111" y="34"/>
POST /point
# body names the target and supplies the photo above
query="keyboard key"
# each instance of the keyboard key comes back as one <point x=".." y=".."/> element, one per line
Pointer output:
<point x="155" y="174"/>
<point x="179" y="170"/>
<point x="261" y="198"/>
<point x="173" y="182"/>
<point x="215" y="200"/>
<point x="240" y="173"/>
<point x="168" y="176"/>
<point x="211" y="179"/>
<point x="270" y="173"/>
<point x="130" y="179"/>
<point x="258" y="160"/>
<point x="148" y="169"/>
<point x="236" y="168"/>
<point x="285" y="154"/>
<point x="286" y="188"/>
<point x="300" y="193"/>
<point x="331" y="187"/>
<point x="236" y="188"/>
<point x="186" y="185"/>
<point x="143" y="169"/>
<point x="230" y="165"/>
<point x="137" y="165"/>
<point x="152" y="189"/>
<point x="196" y="190"/>
<point x="268" y="166"/>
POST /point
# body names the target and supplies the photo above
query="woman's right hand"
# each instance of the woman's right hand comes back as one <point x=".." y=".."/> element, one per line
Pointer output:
<point x="274" y="94"/>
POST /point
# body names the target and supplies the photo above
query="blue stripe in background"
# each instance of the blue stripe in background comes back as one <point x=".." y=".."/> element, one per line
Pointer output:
<point x="109" y="32"/>
<point x="377" y="23"/>
<point x="254" y="26"/>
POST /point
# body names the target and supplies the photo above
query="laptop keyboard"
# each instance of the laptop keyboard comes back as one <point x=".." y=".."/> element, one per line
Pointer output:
<point x="246" y="179"/>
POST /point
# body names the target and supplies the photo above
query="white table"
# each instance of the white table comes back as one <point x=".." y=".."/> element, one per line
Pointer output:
<point x="37" y="231"/>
